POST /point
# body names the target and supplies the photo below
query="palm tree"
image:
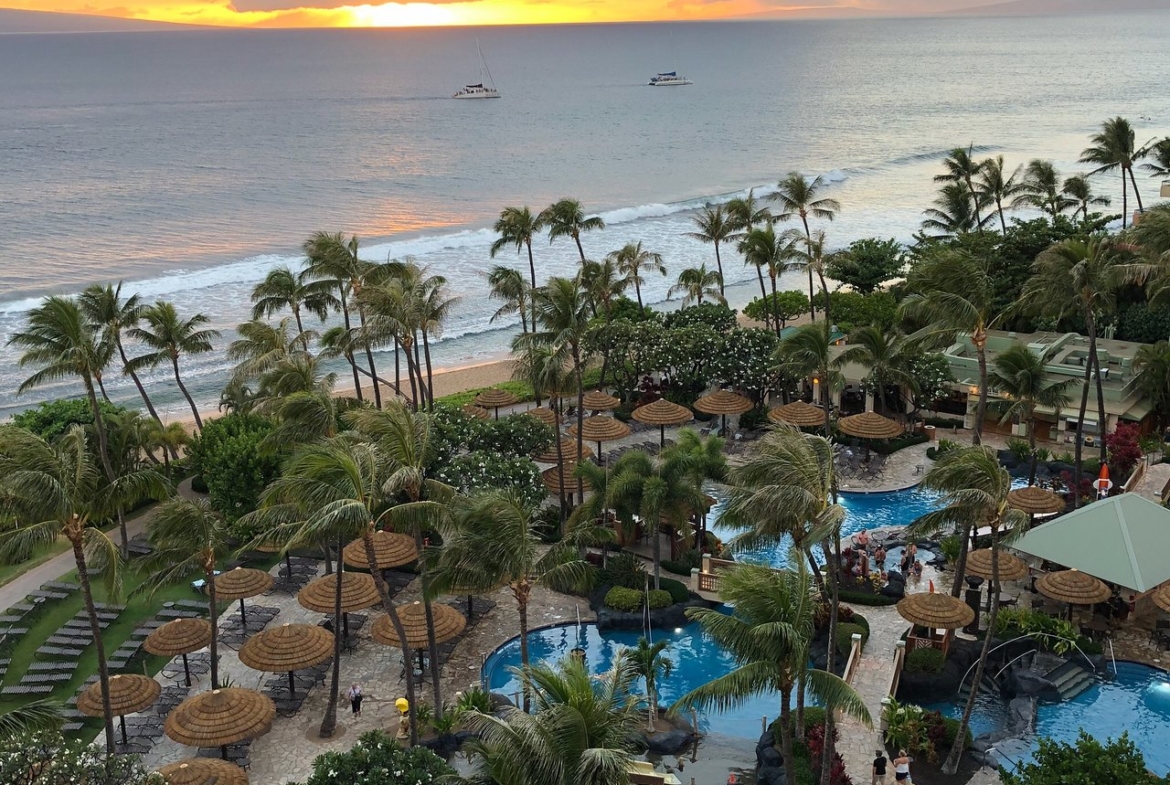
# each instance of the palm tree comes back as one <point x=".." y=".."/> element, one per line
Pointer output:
<point x="1152" y="236"/>
<point x="885" y="354"/>
<point x="189" y="537"/>
<point x="32" y="717"/>
<point x="1152" y="364"/>
<point x="953" y="213"/>
<point x="582" y="732"/>
<point x="262" y="345"/>
<point x="995" y="186"/>
<point x="566" y="218"/>
<point x="1022" y="378"/>
<point x="433" y="307"/>
<point x="805" y="353"/>
<point x="517" y="226"/>
<point x="394" y="316"/>
<point x="1160" y="153"/>
<point x="962" y="169"/>
<point x="509" y="287"/>
<point x="953" y="292"/>
<point x="1040" y="188"/>
<point x="168" y="438"/>
<point x="695" y="283"/>
<point x="51" y="491"/>
<point x="108" y="313"/>
<point x="770" y="634"/>
<point x="632" y="259"/>
<point x="63" y="343"/>
<point x="975" y="493"/>
<point x="332" y="259"/>
<point x="282" y="288"/>
<point x="812" y="258"/>
<point x="171" y="337"/>
<point x="603" y="283"/>
<point x="648" y="661"/>
<point x="797" y="196"/>
<point x="492" y="541"/>
<point x="1114" y="147"/>
<point x="764" y="249"/>
<point x="1079" y="192"/>
<point x="744" y="213"/>
<point x="716" y="227"/>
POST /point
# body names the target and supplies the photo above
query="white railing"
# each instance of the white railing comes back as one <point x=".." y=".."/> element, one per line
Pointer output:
<point x="854" y="658"/>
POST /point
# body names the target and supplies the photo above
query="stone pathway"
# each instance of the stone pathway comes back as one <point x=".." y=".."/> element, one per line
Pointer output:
<point x="1156" y="478"/>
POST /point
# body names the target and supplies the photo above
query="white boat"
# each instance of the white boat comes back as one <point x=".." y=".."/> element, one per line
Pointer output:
<point x="668" y="79"/>
<point x="482" y="89"/>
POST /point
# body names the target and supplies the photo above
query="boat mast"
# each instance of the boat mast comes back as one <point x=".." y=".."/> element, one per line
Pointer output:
<point x="491" y="81"/>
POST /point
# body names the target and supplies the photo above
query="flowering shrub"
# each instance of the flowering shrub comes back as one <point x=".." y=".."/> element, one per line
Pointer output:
<point x="377" y="759"/>
<point x="743" y="359"/>
<point x="25" y="759"/>
<point x="517" y="435"/>
<point x="479" y="471"/>
<point x="814" y="739"/>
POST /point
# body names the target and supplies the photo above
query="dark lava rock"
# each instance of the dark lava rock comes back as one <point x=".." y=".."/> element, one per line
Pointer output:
<point x="669" y="742"/>
<point x="1023" y="682"/>
<point x="671" y="616"/>
<point x="770" y="757"/>
<point x="1008" y="459"/>
<point x="500" y="701"/>
<point x="770" y="776"/>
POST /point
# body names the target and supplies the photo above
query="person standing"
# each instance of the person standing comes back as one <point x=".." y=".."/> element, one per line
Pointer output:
<point x="902" y="767"/>
<point x="355" y="699"/>
<point x="879" y="768"/>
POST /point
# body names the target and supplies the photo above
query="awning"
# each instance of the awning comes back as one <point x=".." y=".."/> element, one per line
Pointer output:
<point x="1121" y="540"/>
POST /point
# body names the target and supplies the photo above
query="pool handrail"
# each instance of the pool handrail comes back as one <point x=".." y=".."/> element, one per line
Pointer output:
<point x="1030" y="636"/>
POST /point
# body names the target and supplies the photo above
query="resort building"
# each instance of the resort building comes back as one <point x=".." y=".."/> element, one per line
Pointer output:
<point x="1065" y="355"/>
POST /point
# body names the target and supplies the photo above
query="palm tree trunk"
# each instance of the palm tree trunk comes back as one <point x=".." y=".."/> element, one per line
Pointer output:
<point x="138" y="383"/>
<point x="580" y="250"/>
<point x="397" y="367"/>
<point x="357" y="379"/>
<point x="834" y="587"/>
<point x="825" y="289"/>
<point x="975" y="204"/>
<point x="187" y="395"/>
<point x="422" y="390"/>
<point x="296" y="312"/>
<point x="719" y="266"/>
<point x="370" y="358"/>
<point x="430" y="371"/>
<point x="1124" y="200"/>
<point x="213" y="617"/>
<point x="786" y="730"/>
<point x="560" y="467"/>
<point x="396" y="623"/>
<point x="812" y="309"/>
<point x="531" y="264"/>
<point x="1100" y="402"/>
<point x="124" y="533"/>
<point x="95" y="630"/>
<point x="432" y="645"/>
<point x="775" y="299"/>
<point x="520" y="592"/>
<point x="999" y="209"/>
<point x="637" y="291"/>
<point x="411" y="377"/>
<point x="99" y="425"/>
<point x="763" y="295"/>
<point x="580" y="418"/>
<point x="656" y="532"/>
<point x="1136" y="193"/>
<point x="1032" y="448"/>
<point x="329" y="721"/>
<point x="102" y="388"/>
<point x="1091" y="326"/>
<point x="961" y="562"/>
<point x="979" y="338"/>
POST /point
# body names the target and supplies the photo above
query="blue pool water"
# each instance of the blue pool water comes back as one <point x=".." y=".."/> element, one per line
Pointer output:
<point x="697" y="660"/>
<point x="1137" y="701"/>
<point x="863" y="511"/>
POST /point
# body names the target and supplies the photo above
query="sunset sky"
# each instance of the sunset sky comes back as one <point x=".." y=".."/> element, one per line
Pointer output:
<point x="355" y="13"/>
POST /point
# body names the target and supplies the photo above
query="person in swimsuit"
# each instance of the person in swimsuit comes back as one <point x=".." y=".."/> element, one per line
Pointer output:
<point x="879" y="558"/>
<point x="902" y="767"/>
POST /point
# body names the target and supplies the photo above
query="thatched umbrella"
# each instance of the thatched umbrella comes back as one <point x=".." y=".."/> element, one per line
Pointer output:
<point x="601" y="429"/>
<point x="598" y="401"/>
<point x="1161" y="597"/>
<point x="545" y="415"/>
<point x="240" y="583"/>
<point x="203" y="771"/>
<point x="220" y="717"/>
<point x="935" y="611"/>
<point x="494" y="399"/>
<point x="1011" y="568"/>
<point x="573" y="483"/>
<point x="723" y="403"/>
<point x="129" y="692"/>
<point x="798" y="413"/>
<point x="358" y="592"/>
<point x="1035" y="501"/>
<point x="870" y="425"/>
<point x="449" y="623"/>
<point x="181" y="636"/>
<point x="391" y="549"/>
<point x="662" y="413"/>
<point x="288" y="648"/>
<point x="478" y="412"/>
<point x="568" y="452"/>
<point x="1074" y="587"/>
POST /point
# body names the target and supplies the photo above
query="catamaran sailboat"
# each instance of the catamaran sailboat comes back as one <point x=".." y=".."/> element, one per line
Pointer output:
<point x="668" y="79"/>
<point x="480" y="89"/>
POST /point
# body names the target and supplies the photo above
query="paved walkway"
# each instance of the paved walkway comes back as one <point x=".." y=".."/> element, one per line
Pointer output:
<point x="1157" y="476"/>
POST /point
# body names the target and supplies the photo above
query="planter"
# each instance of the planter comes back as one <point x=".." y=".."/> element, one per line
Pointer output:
<point x="931" y="432"/>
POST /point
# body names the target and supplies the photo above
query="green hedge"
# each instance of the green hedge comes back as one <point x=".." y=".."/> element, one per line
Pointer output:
<point x="901" y="443"/>
<point x="845" y="633"/>
<point x="925" y="661"/>
<point x="676" y="589"/>
<point x="676" y="568"/>
<point x="860" y="621"/>
<point x="630" y="600"/>
<point x="865" y="598"/>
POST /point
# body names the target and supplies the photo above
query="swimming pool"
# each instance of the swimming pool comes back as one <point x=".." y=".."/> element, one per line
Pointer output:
<point x="697" y="660"/>
<point x="1136" y="701"/>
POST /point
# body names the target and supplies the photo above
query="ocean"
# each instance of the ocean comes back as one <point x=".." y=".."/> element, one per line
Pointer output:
<point x="190" y="163"/>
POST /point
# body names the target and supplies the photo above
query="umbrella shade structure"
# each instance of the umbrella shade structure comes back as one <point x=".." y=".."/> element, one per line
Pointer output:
<point x="220" y="717"/>
<point x="545" y="415"/>
<point x="723" y="403"/>
<point x="478" y="412"/>
<point x="357" y="593"/>
<point x="493" y="399"/>
<point x="1011" y="568"/>
<point x="288" y="648"/>
<point x="203" y="771"/>
<point x="600" y="429"/>
<point x="1073" y="586"/>
<point x="573" y="484"/>
<point x="662" y="413"/>
<point x="936" y="611"/>
<point x="129" y="692"/>
<point x="870" y="425"/>
<point x="598" y="401"/>
<point x="568" y="452"/>
<point x="240" y="583"/>
<point x="1161" y="597"/>
<point x="1035" y="501"/>
<point x="798" y="413"/>
<point x="181" y="636"/>
<point x="449" y="623"/>
<point x="391" y="549"/>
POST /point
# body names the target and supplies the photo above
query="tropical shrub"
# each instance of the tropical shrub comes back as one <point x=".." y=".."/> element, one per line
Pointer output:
<point x="918" y="731"/>
<point x="865" y="598"/>
<point x="687" y="560"/>
<point x="867" y="264"/>
<point x="522" y="390"/>
<point x="451" y="431"/>
<point x="851" y="309"/>
<point x="377" y="759"/>
<point x="1124" y="450"/>
<point x="718" y="317"/>
<point x="925" y="660"/>
<point x="50" y="419"/>
<point x="744" y="360"/>
<point x="228" y="457"/>
<point x="676" y="589"/>
<point x="787" y="305"/>
<point x="891" y="446"/>
<point x="47" y="759"/>
<point x="626" y="570"/>
<point x="1058" y="763"/>
<point x="1019" y="449"/>
<point x="950" y="547"/>
<point x="631" y="600"/>
<point x="845" y="634"/>
<point x="814" y="742"/>
<point x="753" y="419"/>
<point x="517" y="435"/>
<point x="1049" y="632"/>
<point x="932" y="381"/>
<point x="480" y="471"/>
